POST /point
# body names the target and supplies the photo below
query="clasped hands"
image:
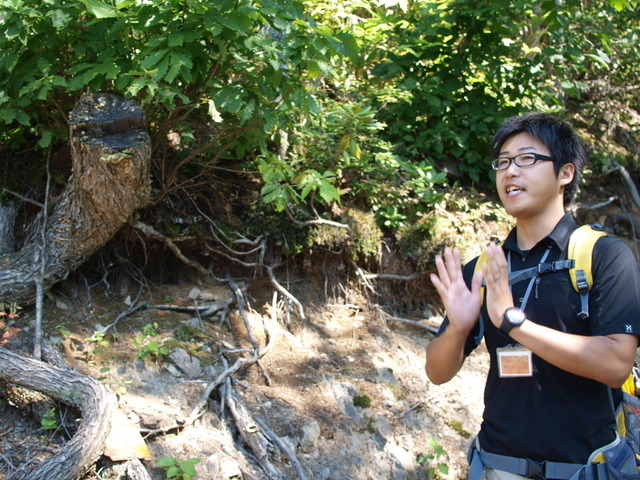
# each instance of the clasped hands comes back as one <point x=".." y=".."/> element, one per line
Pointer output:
<point x="462" y="303"/>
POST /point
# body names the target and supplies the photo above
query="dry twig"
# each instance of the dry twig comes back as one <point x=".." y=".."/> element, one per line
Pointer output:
<point x="415" y="323"/>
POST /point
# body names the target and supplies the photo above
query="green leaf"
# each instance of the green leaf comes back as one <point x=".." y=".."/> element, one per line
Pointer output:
<point x="100" y="9"/>
<point x="235" y="20"/>
<point x="247" y="112"/>
<point x="328" y="192"/>
<point x="619" y="5"/>
<point x="45" y="139"/>
<point x="188" y="466"/>
<point x="152" y="60"/>
<point x="173" y="472"/>
<point x="176" y="39"/>
<point x="166" y="462"/>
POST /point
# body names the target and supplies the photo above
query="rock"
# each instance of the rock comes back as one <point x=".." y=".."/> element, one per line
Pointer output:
<point x="403" y="457"/>
<point x="310" y="435"/>
<point x="196" y="294"/>
<point x="189" y="364"/>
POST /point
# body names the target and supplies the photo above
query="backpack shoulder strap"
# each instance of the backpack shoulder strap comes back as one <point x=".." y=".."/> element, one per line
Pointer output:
<point x="482" y="259"/>
<point x="580" y="250"/>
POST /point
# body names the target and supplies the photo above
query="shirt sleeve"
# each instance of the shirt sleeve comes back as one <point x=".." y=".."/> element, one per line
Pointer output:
<point x="614" y="299"/>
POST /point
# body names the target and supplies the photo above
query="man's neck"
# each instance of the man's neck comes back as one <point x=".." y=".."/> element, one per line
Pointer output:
<point x="531" y="230"/>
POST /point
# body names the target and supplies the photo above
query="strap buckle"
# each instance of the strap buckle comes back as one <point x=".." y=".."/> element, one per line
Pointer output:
<point x="546" y="267"/>
<point x="536" y="469"/>
<point x="581" y="281"/>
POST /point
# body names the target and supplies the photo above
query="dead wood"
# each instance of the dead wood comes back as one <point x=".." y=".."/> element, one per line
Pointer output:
<point x="136" y="470"/>
<point x="630" y="186"/>
<point x="95" y="401"/>
<point x="259" y="438"/>
<point x="153" y="233"/>
<point x="277" y="441"/>
<point x="110" y="180"/>
<point x="415" y="323"/>
<point x="251" y="433"/>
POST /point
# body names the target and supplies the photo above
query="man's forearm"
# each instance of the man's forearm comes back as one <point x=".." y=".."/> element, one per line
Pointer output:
<point x="445" y="356"/>
<point x="606" y="359"/>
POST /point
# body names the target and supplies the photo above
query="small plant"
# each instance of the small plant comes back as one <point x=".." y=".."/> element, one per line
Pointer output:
<point x="147" y="346"/>
<point x="179" y="469"/>
<point x="119" y="387"/>
<point x="348" y="370"/>
<point x="362" y="401"/>
<point x="459" y="428"/>
<point x="436" y="467"/>
<point x="62" y="329"/>
<point x="99" y="339"/>
<point x="50" y="420"/>
<point x="9" y="310"/>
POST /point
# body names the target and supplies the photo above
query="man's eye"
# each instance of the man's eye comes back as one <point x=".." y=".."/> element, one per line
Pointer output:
<point x="527" y="159"/>
<point x="503" y="162"/>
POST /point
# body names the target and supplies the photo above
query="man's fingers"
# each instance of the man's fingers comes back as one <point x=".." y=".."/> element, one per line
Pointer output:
<point x="443" y="274"/>
<point x="454" y="267"/>
<point x="438" y="284"/>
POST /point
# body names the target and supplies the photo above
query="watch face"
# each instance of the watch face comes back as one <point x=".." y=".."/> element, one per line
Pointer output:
<point x="515" y="316"/>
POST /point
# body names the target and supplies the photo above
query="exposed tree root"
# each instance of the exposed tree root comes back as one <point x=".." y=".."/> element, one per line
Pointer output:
<point x="95" y="400"/>
<point x="258" y="437"/>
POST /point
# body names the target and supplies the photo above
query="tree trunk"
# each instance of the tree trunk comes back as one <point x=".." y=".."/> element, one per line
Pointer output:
<point x="110" y="180"/>
<point x="95" y="400"/>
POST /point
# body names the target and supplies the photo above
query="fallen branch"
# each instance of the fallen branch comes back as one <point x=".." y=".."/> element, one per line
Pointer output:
<point x="317" y="221"/>
<point x="390" y="276"/>
<point x="631" y="187"/>
<point x="252" y="435"/>
<point x="414" y="323"/>
<point x="152" y="232"/>
<point x="595" y="206"/>
<point x="283" y="448"/>
<point x="198" y="408"/>
<point x="132" y="308"/>
<point x="412" y="408"/>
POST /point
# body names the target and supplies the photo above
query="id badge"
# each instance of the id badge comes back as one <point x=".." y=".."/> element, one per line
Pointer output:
<point x="514" y="362"/>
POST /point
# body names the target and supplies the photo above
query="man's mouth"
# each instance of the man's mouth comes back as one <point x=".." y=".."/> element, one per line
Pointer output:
<point x="514" y="189"/>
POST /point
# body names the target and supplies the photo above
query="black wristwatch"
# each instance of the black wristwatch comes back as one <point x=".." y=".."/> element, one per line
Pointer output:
<point x="513" y="317"/>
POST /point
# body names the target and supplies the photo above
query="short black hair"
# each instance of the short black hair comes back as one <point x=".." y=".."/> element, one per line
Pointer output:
<point x="559" y="137"/>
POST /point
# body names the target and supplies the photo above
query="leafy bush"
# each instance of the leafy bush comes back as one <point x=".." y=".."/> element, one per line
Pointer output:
<point x="235" y="65"/>
<point x="342" y="160"/>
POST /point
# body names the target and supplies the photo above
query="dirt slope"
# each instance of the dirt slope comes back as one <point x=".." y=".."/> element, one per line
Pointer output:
<point x="343" y="389"/>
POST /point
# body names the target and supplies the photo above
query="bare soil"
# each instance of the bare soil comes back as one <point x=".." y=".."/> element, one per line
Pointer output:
<point x="344" y="389"/>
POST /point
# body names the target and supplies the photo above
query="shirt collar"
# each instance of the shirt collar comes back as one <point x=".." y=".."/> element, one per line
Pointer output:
<point x="559" y="235"/>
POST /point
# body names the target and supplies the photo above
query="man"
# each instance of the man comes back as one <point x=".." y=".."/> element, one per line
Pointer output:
<point x="546" y="416"/>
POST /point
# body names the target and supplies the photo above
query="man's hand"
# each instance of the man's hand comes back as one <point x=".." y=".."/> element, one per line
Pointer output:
<point x="461" y="303"/>
<point x="496" y="277"/>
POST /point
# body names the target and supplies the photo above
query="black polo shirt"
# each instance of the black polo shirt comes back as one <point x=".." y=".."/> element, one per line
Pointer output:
<point x="555" y="415"/>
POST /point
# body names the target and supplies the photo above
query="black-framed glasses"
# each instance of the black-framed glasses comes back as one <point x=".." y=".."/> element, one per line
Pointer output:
<point x="521" y="160"/>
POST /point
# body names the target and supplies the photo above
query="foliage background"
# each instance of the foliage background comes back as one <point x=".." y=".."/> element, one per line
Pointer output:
<point x="274" y="117"/>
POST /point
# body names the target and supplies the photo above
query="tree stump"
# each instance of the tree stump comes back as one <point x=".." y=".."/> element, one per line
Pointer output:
<point x="95" y="401"/>
<point x="110" y="180"/>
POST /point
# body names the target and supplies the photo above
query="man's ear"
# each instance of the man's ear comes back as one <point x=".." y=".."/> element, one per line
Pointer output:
<point x="566" y="173"/>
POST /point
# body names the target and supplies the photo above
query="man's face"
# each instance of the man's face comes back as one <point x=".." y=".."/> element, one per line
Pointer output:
<point x="531" y="190"/>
